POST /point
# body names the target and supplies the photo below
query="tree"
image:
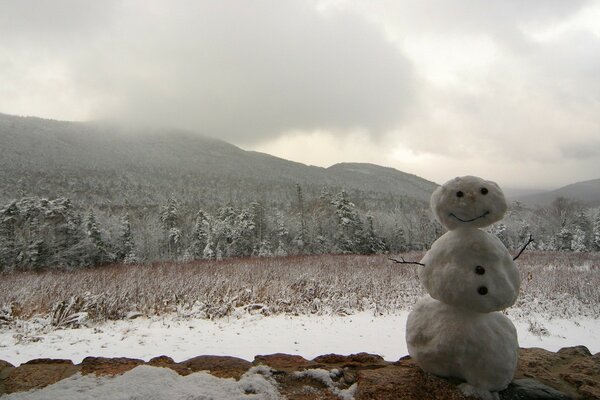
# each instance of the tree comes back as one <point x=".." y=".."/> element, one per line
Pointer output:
<point x="372" y="242"/>
<point x="282" y="235"/>
<point x="300" y="239"/>
<point x="596" y="230"/>
<point x="199" y="237"/>
<point x="578" y="243"/>
<point x="564" y="239"/>
<point x="98" y="252"/>
<point x="399" y="243"/>
<point x="499" y="229"/>
<point x="126" y="251"/>
<point x="169" y="219"/>
<point x="349" y="229"/>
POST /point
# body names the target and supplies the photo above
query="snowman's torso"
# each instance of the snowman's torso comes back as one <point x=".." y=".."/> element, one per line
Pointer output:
<point x="463" y="262"/>
<point x="480" y="348"/>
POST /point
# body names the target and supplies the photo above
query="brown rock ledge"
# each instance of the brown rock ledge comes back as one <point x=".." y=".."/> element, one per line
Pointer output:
<point x="569" y="373"/>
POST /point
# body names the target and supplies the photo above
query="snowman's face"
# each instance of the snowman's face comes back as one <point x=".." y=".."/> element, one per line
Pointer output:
<point x="470" y="269"/>
<point x="468" y="201"/>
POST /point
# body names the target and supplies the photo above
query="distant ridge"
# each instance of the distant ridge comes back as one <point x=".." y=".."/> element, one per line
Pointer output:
<point x="103" y="164"/>
<point x="586" y="192"/>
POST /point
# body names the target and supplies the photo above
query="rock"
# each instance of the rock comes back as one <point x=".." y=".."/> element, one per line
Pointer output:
<point x="48" y="361"/>
<point x="108" y="366"/>
<point x="37" y="374"/>
<point x="541" y="374"/>
<point x="161" y="361"/>
<point x="351" y="360"/>
<point x="221" y="366"/>
<point x="5" y="364"/>
<point x="404" y="382"/>
<point x="571" y="370"/>
<point x="284" y="362"/>
<point x="575" y="351"/>
<point x="530" y="389"/>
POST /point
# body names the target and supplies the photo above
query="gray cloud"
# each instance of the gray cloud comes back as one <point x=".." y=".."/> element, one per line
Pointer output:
<point x="251" y="72"/>
<point x="243" y="71"/>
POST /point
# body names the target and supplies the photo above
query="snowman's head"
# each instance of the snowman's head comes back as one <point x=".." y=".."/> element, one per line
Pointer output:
<point x="468" y="201"/>
<point x="471" y="269"/>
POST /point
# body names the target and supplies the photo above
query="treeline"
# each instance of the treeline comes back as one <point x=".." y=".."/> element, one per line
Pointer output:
<point x="563" y="225"/>
<point x="37" y="233"/>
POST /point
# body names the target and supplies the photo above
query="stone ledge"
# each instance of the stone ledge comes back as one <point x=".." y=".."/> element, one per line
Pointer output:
<point x="570" y="373"/>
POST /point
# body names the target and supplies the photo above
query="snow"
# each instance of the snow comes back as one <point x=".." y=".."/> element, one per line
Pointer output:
<point x="250" y="335"/>
<point x="242" y="337"/>
<point x="324" y="376"/>
<point x="155" y="383"/>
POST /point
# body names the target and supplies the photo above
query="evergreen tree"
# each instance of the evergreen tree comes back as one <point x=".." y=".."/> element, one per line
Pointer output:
<point x="578" y="243"/>
<point x="169" y="219"/>
<point x="199" y="238"/>
<point x="499" y="229"/>
<point x="564" y="239"/>
<point x="596" y="228"/>
<point x="399" y="242"/>
<point x="350" y="229"/>
<point x="372" y="242"/>
<point x="300" y="239"/>
<point x="282" y="234"/>
<point x="126" y="251"/>
<point x="98" y="252"/>
<point x="8" y="239"/>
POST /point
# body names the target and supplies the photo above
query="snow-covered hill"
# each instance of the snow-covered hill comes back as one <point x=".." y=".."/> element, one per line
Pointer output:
<point x="99" y="164"/>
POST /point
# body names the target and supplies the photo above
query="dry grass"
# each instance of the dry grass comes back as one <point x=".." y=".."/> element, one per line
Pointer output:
<point x="559" y="284"/>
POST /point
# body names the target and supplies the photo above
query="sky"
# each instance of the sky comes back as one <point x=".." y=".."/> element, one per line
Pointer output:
<point x="507" y="90"/>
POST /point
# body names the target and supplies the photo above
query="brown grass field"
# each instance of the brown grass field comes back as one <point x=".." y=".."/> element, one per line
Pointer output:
<point x="554" y="284"/>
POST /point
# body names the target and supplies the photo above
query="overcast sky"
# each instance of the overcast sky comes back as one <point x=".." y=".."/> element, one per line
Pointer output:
<point x="508" y="90"/>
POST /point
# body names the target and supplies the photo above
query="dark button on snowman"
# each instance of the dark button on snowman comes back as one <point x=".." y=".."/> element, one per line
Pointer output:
<point x="457" y="331"/>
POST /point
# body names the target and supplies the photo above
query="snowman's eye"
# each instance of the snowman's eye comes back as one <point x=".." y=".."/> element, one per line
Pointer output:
<point x="482" y="290"/>
<point x="484" y="191"/>
<point x="479" y="270"/>
<point x="459" y="194"/>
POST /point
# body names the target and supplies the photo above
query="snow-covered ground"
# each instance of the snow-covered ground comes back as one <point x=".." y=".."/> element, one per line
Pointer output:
<point x="247" y="335"/>
<point x="243" y="336"/>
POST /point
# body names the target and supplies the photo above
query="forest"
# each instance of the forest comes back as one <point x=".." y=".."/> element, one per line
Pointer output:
<point x="38" y="233"/>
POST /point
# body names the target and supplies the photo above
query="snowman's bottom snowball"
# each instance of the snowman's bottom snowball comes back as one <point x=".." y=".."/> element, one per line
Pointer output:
<point x="480" y="348"/>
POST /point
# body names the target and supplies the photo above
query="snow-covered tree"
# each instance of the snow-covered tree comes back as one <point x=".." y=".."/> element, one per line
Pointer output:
<point x="350" y="228"/>
<point x="596" y="231"/>
<point x="282" y="235"/>
<point x="169" y="219"/>
<point x="501" y="231"/>
<point x="199" y="238"/>
<point x="578" y="243"/>
<point x="98" y="251"/>
<point x="564" y="239"/>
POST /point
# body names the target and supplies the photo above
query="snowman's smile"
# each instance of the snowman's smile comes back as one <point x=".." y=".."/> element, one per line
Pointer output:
<point x="469" y="220"/>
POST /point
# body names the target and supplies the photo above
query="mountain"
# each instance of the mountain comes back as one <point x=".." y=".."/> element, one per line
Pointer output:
<point x="586" y="192"/>
<point x="99" y="164"/>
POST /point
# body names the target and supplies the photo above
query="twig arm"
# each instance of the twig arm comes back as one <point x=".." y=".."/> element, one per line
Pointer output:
<point x="524" y="247"/>
<point x="403" y="261"/>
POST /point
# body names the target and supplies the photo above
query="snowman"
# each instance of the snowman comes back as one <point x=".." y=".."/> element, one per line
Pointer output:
<point x="457" y="330"/>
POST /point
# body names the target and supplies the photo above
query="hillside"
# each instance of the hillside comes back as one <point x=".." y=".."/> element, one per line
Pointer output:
<point x="102" y="164"/>
<point x="586" y="192"/>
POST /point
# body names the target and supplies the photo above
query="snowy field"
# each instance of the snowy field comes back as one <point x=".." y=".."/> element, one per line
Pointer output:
<point x="248" y="335"/>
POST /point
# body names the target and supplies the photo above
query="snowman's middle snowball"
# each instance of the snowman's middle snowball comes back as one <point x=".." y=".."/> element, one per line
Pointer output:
<point x="472" y="269"/>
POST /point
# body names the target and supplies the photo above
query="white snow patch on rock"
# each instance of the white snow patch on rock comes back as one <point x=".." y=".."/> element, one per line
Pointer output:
<point x="155" y="383"/>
